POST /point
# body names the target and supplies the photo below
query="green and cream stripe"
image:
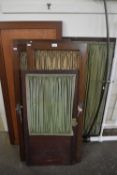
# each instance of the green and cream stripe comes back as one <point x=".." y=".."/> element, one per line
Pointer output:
<point x="50" y="103"/>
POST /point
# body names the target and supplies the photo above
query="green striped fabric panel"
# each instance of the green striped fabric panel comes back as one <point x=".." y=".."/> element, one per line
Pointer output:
<point x="45" y="59"/>
<point x="50" y="103"/>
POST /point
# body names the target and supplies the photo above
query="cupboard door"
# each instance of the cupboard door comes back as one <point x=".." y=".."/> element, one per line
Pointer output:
<point x="41" y="56"/>
<point x="11" y="31"/>
<point x="49" y="110"/>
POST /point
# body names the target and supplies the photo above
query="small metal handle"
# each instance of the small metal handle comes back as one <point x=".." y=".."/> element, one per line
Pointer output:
<point x="80" y="109"/>
<point x="19" y="111"/>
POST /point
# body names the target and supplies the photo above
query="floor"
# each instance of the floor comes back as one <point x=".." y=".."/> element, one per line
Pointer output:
<point x="97" y="159"/>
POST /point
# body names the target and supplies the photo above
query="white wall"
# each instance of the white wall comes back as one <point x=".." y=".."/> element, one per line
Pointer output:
<point x="111" y="106"/>
<point x="84" y="18"/>
<point x="81" y="18"/>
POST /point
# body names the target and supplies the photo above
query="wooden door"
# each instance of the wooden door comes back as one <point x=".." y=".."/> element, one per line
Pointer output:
<point x="10" y="31"/>
<point x="70" y="147"/>
<point x="49" y="133"/>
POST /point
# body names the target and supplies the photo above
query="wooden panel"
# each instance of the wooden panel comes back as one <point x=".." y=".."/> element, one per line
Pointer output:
<point x="32" y="33"/>
<point x="18" y="99"/>
<point x="29" y="25"/>
<point x="5" y="93"/>
<point x="25" y="30"/>
<point x="50" y="150"/>
<point x="64" y="44"/>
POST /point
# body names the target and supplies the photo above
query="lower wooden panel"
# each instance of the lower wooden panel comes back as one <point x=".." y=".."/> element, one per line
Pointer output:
<point x="50" y="150"/>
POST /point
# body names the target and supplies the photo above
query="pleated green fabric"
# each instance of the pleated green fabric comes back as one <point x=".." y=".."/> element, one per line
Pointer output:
<point x="97" y="66"/>
<point x="57" y="59"/>
<point x="50" y="103"/>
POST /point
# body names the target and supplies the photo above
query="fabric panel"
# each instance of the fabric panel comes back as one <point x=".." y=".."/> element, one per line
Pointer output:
<point x="97" y="66"/>
<point x="56" y="59"/>
<point x="50" y="103"/>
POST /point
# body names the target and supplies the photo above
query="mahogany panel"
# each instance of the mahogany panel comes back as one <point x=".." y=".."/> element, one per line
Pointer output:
<point x="18" y="99"/>
<point x="57" y="25"/>
<point x="5" y="93"/>
<point x="64" y="44"/>
<point x="50" y="150"/>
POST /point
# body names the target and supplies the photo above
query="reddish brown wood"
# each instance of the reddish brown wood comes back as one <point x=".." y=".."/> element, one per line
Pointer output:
<point x="57" y="25"/>
<point x="21" y="30"/>
<point x="50" y="150"/>
<point x="4" y="84"/>
<point x="29" y="24"/>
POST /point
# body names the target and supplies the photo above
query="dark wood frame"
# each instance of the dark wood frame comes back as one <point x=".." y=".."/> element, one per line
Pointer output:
<point x="9" y="26"/>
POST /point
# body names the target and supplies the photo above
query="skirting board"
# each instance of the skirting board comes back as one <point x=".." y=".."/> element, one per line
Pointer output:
<point x="103" y="138"/>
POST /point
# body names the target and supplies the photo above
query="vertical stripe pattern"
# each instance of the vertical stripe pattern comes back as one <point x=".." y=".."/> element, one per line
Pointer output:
<point x="47" y="59"/>
<point x="50" y="103"/>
